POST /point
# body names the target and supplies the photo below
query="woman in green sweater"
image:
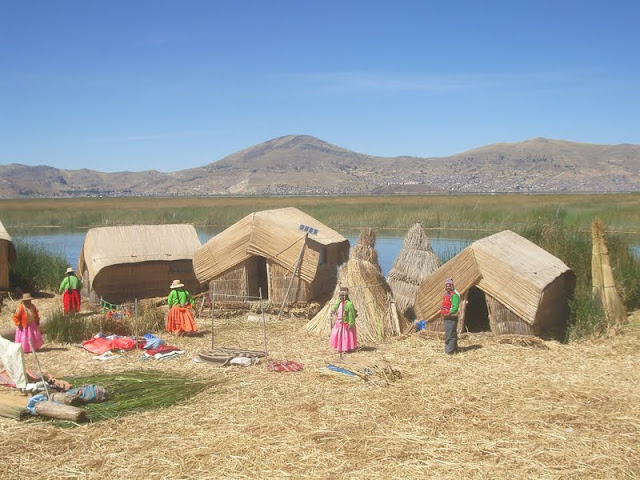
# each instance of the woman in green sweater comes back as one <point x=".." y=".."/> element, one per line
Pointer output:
<point x="180" y="319"/>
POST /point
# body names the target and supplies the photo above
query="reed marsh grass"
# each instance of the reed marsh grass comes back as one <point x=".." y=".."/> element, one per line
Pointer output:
<point x="36" y="268"/>
<point x="620" y="212"/>
<point x="125" y="321"/>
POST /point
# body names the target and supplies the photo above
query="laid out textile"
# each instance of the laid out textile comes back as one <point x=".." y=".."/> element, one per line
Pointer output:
<point x="99" y="345"/>
<point x="168" y="355"/>
<point x="12" y="358"/>
<point x="90" y="393"/>
<point x="152" y="342"/>
<point x="284" y="366"/>
<point x="162" y="349"/>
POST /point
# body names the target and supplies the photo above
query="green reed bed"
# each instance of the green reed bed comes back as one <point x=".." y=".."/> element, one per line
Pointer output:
<point x="620" y="212"/>
<point x="138" y="391"/>
<point x="574" y="247"/>
<point x="35" y="268"/>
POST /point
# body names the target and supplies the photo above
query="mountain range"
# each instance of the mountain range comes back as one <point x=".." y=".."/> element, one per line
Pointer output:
<point x="304" y="165"/>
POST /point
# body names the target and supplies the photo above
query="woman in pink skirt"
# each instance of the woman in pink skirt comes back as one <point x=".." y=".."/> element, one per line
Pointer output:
<point x="27" y="320"/>
<point x="343" y="335"/>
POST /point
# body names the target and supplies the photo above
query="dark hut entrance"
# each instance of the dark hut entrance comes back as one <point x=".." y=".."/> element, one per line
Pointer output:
<point x="257" y="277"/>
<point x="476" y="314"/>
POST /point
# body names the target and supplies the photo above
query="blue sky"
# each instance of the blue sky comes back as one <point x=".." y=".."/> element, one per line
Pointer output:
<point x="138" y="85"/>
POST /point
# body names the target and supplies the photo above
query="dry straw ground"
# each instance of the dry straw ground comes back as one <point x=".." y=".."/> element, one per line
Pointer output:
<point x="502" y="408"/>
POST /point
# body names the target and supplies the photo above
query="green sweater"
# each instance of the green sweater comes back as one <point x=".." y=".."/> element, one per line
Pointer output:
<point x="179" y="296"/>
<point x="349" y="312"/>
<point x="70" y="282"/>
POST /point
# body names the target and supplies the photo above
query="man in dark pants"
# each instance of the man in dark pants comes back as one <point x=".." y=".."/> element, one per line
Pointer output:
<point x="449" y="313"/>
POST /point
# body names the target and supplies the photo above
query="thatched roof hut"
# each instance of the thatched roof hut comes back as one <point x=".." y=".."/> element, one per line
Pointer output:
<point x="507" y="285"/>
<point x="7" y="256"/>
<point x="415" y="262"/>
<point x="283" y="253"/>
<point x="378" y="316"/>
<point x="120" y="264"/>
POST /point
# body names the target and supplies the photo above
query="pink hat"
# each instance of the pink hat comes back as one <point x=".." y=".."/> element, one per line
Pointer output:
<point x="448" y="281"/>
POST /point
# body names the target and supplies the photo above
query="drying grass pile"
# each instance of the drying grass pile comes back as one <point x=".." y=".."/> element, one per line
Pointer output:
<point x="370" y="293"/>
<point x="415" y="262"/>
<point x="494" y="411"/>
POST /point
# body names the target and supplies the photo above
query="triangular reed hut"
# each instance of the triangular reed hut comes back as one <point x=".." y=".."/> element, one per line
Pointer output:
<point x="415" y="262"/>
<point x="7" y="256"/>
<point x="604" y="285"/>
<point x="284" y="254"/>
<point x="378" y="316"/>
<point x="507" y="285"/>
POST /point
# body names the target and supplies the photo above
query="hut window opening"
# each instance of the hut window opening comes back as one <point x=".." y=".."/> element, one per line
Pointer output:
<point x="476" y="314"/>
<point x="257" y="277"/>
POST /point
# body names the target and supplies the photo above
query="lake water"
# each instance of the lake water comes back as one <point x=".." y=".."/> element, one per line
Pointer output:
<point x="446" y="244"/>
<point x="388" y="244"/>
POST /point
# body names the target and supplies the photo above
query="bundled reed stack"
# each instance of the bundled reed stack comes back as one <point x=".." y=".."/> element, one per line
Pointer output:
<point x="378" y="316"/>
<point x="604" y="285"/>
<point x="415" y="262"/>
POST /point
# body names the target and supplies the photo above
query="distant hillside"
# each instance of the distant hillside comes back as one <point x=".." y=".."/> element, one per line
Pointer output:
<point x="304" y="165"/>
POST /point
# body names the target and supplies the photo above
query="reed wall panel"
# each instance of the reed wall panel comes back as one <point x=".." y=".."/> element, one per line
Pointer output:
<point x="126" y="282"/>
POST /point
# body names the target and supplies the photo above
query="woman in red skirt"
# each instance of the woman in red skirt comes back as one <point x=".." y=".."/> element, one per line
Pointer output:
<point x="180" y="319"/>
<point x="70" y="288"/>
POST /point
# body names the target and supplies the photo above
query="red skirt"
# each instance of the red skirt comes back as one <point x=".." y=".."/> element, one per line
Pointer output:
<point x="180" y="319"/>
<point x="71" y="301"/>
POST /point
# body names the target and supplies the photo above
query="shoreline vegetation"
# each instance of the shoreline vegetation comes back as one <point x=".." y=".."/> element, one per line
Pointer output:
<point x="560" y="224"/>
<point x="491" y="212"/>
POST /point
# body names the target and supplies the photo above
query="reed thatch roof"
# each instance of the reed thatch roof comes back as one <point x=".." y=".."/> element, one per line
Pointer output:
<point x="415" y="262"/>
<point x="277" y="234"/>
<point x="370" y="293"/>
<point x="4" y="236"/>
<point x="506" y="266"/>
<point x="107" y="246"/>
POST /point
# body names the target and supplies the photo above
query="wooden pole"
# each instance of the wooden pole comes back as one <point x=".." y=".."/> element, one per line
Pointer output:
<point x="136" y="319"/>
<point x="293" y="275"/>
<point x="44" y="380"/>
<point x="264" y="323"/>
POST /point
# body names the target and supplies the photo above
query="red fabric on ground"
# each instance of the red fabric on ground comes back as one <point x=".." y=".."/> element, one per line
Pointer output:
<point x="99" y="345"/>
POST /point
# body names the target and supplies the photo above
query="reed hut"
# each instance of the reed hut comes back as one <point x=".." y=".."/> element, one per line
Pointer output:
<point x="415" y="262"/>
<point x="120" y="264"/>
<point x="7" y="256"/>
<point x="378" y="316"/>
<point x="507" y="285"/>
<point x="283" y="254"/>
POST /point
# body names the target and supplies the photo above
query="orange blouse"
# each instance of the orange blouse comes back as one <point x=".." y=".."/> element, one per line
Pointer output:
<point x="24" y="316"/>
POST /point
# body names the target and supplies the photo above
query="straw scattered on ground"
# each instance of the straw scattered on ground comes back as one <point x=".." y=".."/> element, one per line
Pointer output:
<point x="496" y="410"/>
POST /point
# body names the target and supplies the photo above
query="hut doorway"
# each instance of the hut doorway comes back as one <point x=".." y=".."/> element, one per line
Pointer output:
<point x="257" y="277"/>
<point x="476" y="314"/>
